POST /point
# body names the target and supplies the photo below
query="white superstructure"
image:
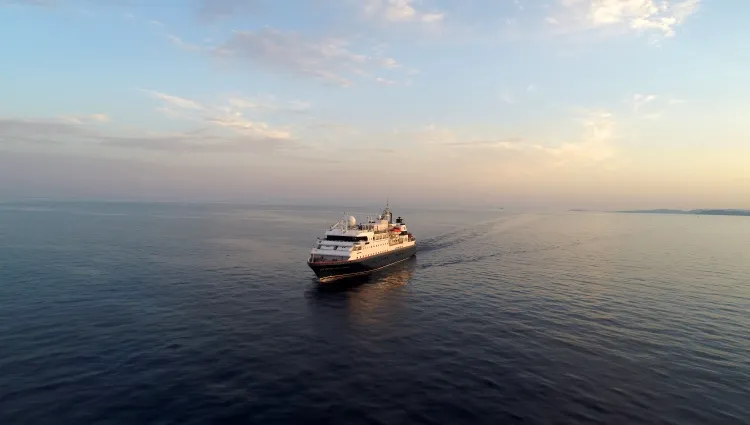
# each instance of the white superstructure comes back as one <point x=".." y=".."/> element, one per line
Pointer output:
<point x="347" y="240"/>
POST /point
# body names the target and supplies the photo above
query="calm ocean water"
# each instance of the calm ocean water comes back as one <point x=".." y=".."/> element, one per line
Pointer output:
<point x="192" y="314"/>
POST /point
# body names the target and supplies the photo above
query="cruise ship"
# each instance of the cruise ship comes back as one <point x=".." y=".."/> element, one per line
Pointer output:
<point x="352" y="249"/>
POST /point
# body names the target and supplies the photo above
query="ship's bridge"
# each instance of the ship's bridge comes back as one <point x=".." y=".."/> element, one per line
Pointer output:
<point x="337" y="236"/>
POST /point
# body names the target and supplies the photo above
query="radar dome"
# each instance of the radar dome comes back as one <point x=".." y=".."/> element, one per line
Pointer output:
<point x="351" y="221"/>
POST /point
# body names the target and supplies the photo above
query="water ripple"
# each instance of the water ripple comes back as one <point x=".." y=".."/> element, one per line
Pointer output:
<point x="188" y="314"/>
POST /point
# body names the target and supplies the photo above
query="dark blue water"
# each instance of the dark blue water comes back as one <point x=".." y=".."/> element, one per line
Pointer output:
<point x="193" y="314"/>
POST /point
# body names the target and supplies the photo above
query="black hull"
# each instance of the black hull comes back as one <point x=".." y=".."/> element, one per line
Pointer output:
<point x="327" y="272"/>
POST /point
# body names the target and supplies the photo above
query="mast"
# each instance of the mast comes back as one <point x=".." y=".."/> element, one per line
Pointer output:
<point x="387" y="212"/>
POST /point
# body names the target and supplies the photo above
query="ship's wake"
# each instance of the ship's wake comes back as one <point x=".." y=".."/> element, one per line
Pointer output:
<point x="456" y="237"/>
<point x="486" y="240"/>
<point x="476" y="231"/>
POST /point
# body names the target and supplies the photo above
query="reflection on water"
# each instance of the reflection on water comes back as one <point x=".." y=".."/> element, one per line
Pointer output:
<point x="501" y="318"/>
<point x="366" y="298"/>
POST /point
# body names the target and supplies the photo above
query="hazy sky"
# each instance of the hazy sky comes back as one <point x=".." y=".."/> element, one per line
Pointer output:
<point x="580" y="103"/>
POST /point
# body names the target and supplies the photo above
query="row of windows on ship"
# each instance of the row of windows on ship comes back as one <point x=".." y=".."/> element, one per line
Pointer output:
<point x="337" y="238"/>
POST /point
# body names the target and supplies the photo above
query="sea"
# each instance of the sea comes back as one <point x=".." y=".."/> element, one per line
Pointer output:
<point x="167" y="313"/>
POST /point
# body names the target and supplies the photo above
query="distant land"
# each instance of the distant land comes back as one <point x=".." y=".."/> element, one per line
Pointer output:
<point x="693" y="212"/>
<point x="669" y="211"/>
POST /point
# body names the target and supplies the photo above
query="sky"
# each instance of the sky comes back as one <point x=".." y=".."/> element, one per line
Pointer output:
<point x="569" y="103"/>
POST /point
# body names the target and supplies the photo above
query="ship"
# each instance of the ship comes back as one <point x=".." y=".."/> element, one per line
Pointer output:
<point x="351" y="249"/>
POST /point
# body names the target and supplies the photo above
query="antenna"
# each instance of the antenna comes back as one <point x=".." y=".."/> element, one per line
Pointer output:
<point x="387" y="211"/>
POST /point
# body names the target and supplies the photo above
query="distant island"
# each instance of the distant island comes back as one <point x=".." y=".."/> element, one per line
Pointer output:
<point x="693" y="212"/>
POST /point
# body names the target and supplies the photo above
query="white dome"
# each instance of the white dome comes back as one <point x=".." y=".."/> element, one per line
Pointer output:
<point x="351" y="221"/>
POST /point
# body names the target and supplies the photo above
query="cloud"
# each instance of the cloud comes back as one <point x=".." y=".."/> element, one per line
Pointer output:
<point x="180" y="43"/>
<point x="230" y="116"/>
<point x="299" y="106"/>
<point x="476" y="161"/>
<point x="43" y="131"/>
<point x="598" y="125"/>
<point x="490" y="156"/>
<point x="433" y="17"/>
<point x="240" y="124"/>
<point x="639" y="100"/>
<point x="651" y="106"/>
<point x="641" y="15"/>
<point x="653" y="116"/>
<point x="100" y="117"/>
<point x="508" y="143"/>
<point x="212" y="10"/>
<point x="57" y="3"/>
<point x="400" y="11"/>
<point x="330" y="60"/>
<point x="19" y="132"/>
<point x="196" y="142"/>
<point x="86" y="119"/>
<point x="174" y="101"/>
<point x="507" y="98"/>
<point x="519" y="94"/>
<point x="44" y="3"/>
<point x="222" y="128"/>
<point x="594" y="146"/>
<point x="269" y="103"/>
<point x="38" y="130"/>
<point x="385" y="81"/>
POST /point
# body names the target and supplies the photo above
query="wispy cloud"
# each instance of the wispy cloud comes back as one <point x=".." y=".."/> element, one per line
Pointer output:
<point x="61" y="133"/>
<point x="651" y="106"/>
<point x="240" y="124"/>
<point x="223" y="128"/>
<point x="652" y="116"/>
<point x="401" y="11"/>
<point x="507" y="143"/>
<point x="594" y="146"/>
<point x="639" y="15"/>
<point x="86" y="119"/>
<point x="385" y="81"/>
<point x="44" y="3"/>
<point x="50" y="130"/>
<point x="212" y="10"/>
<point x="639" y="100"/>
<point x="38" y="129"/>
<point x="269" y="103"/>
<point x="229" y="116"/>
<point x="182" y="44"/>
<point x="197" y="142"/>
<point x="331" y="60"/>
<point x="519" y="94"/>
<point x="175" y="101"/>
